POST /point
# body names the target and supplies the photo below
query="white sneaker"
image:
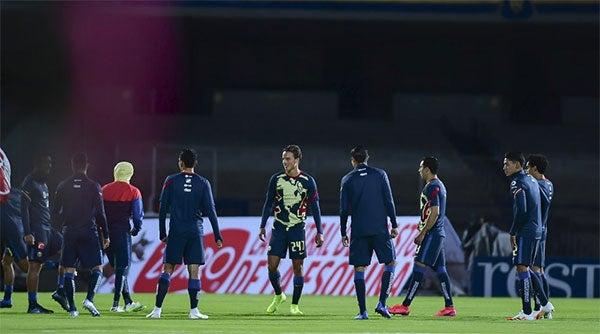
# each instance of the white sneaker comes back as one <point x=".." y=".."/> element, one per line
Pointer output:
<point x="548" y="316"/>
<point x="117" y="309"/>
<point x="134" y="307"/>
<point x="523" y="316"/>
<point x="195" y="314"/>
<point x="155" y="313"/>
<point x="536" y="314"/>
<point x="88" y="305"/>
<point x="547" y="310"/>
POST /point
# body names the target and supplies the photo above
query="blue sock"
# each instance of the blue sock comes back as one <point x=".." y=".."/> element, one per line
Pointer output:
<point x="545" y="285"/>
<point x="298" y="286"/>
<point x="538" y="289"/>
<point x="93" y="284"/>
<point x="70" y="290"/>
<point x="119" y="275"/>
<point x="417" y="277"/>
<point x="163" y="287"/>
<point x="386" y="283"/>
<point x="32" y="296"/>
<point x="444" y="280"/>
<point x="8" y="289"/>
<point x="125" y="291"/>
<point x="194" y="292"/>
<point x="361" y="290"/>
<point x="525" y="291"/>
<point x="276" y="282"/>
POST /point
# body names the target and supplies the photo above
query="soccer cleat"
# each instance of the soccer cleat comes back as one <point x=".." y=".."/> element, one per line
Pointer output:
<point x="381" y="309"/>
<point x="5" y="303"/>
<point x="399" y="309"/>
<point x="362" y="316"/>
<point x="277" y="301"/>
<point x="546" y="310"/>
<point x="155" y="313"/>
<point x="196" y="314"/>
<point x="448" y="311"/>
<point x="134" y="307"/>
<point x="73" y="313"/>
<point x="88" y="305"/>
<point x="295" y="310"/>
<point x="36" y="308"/>
<point x="548" y="316"/>
<point x="523" y="316"/>
<point x="60" y="299"/>
<point x="117" y="309"/>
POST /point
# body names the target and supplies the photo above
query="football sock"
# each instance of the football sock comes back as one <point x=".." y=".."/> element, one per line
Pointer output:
<point x="118" y="286"/>
<point x="298" y="286"/>
<point x="193" y="291"/>
<point x="417" y="276"/>
<point x="538" y="289"/>
<point x="8" y="289"/>
<point x="444" y="280"/>
<point x="386" y="283"/>
<point x="163" y="287"/>
<point x="545" y="284"/>
<point x="359" y="285"/>
<point x="276" y="282"/>
<point x="525" y="290"/>
<point x="32" y="297"/>
<point x="70" y="289"/>
<point x="125" y="291"/>
<point x="93" y="284"/>
<point x="60" y="282"/>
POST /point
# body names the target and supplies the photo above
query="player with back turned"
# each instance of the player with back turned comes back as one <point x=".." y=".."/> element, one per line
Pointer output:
<point x="289" y="194"/>
<point x="188" y="196"/>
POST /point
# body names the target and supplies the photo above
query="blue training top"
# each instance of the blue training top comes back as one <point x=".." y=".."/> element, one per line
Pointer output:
<point x="546" y="194"/>
<point x="434" y="194"/>
<point x="35" y="205"/>
<point x="527" y="219"/>
<point x="366" y="194"/>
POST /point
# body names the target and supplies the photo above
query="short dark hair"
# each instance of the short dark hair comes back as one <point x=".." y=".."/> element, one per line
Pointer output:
<point x="432" y="163"/>
<point x="79" y="161"/>
<point x="295" y="150"/>
<point x="539" y="161"/>
<point x="515" y="157"/>
<point x="360" y="154"/>
<point x="188" y="157"/>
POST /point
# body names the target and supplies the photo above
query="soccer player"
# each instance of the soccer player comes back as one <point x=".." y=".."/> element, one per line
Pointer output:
<point x="525" y="232"/>
<point x="11" y="231"/>
<point x="188" y="196"/>
<point x="430" y="240"/>
<point x="536" y="166"/>
<point x="78" y="200"/>
<point x="42" y="239"/>
<point x="122" y="201"/>
<point x="289" y="193"/>
<point x="366" y="194"/>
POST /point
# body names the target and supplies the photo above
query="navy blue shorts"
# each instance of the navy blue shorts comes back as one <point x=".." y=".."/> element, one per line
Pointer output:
<point x="119" y="250"/>
<point x="361" y="249"/>
<point x="83" y="246"/>
<point x="540" y="255"/>
<point x="284" y="239"/>
<point x="431" y="251"/>
<point x="47" y="244"/>
<point x="190" y="247"/>
<point x="525" y="251"/>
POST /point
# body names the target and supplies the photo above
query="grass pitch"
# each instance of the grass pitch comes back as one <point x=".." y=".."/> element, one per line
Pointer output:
<point x="323" y="314"/>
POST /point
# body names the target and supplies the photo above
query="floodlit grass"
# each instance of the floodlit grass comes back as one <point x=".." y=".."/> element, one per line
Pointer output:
<point x="323" y="314"/>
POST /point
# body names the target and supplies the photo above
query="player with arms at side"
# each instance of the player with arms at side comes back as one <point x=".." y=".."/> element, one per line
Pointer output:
<point x="188" y="196"/>
<point x="122" y="201"/>
<point x="79" y="200"/>
<point x="536" y="166"/>
<point x="289" y="193"/>
<point x="430" y="240"/>
<point x="365" y="193"/>
<point x="525" y="233"/>
<point x="11" y="231"/>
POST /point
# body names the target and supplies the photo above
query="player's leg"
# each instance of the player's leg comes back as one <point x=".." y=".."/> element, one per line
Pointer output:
<point x="523" y="259"/>
<point x="68" y="260"/>
<point x="445" y="286"/>
<point x="193" y="256"/>
<point x="9" y="279"/>
<point x="90" y="256"/>
<point x="174" y="249"/>
<point x="277" y="251"/>
<point x="386" y="254"/>
<point x="38" y="254"/>
<point x="360" y="258"/>
<point x="297" y="249"/>
<point x="55" y="244"/>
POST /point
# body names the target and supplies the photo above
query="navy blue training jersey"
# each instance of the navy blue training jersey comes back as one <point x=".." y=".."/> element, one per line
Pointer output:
<point x="365" y="193"/>
<point x="288" y="198"/>
<point x="188" y="196"/>
<point x="79" y="202"/>
<point x="35" y="205"/>
<point x="527" y="219"/>
<point x="434" y="194"/>
<point x="546" y="194"/>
